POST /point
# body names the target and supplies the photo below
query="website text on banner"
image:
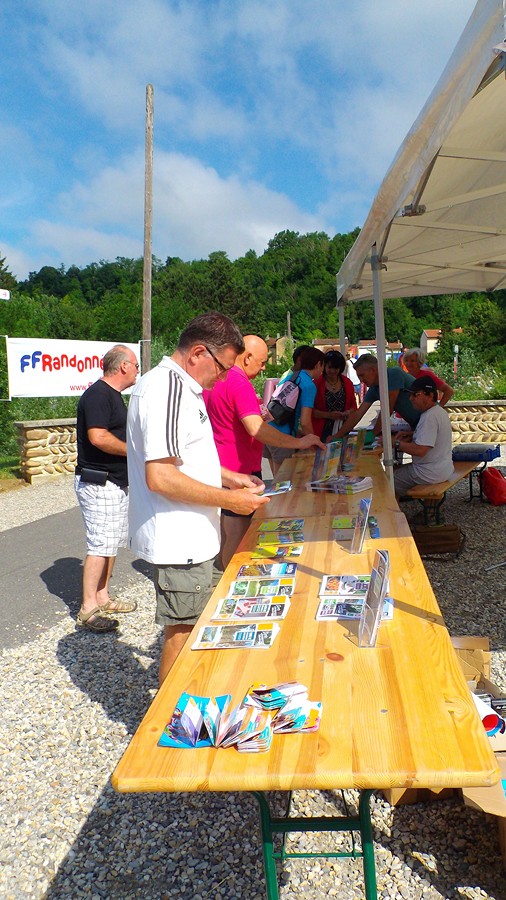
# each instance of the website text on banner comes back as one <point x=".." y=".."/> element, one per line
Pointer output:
<point x="52" y="368"/>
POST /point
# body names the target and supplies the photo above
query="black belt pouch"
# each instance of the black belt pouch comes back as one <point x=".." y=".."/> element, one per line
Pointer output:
<point x="94" y="476"/>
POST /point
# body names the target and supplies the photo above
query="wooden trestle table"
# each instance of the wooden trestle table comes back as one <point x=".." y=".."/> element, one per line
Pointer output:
<point x="396" y="715"/>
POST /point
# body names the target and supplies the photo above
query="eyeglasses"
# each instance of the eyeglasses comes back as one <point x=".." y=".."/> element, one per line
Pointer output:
<point x="132" y="363"/>
<point x="223" y="369"/>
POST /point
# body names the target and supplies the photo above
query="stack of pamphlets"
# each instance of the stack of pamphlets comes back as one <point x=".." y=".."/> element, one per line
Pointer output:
<point x="343" y="597"/>
<point x="264" y="711"/>
<point x="272" y="488"/>
<point x="262" y="597"/>
<point x="281" y="531"/>
<point x="341" y="484"/>
<point x="279" y="539"/>
<point x="254" y="636"/>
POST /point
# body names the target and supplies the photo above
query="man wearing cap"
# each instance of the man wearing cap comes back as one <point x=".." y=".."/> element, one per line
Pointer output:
<point x="430" y="446"/>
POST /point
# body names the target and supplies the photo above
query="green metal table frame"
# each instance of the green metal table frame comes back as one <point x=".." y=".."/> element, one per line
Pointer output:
<point x="271" y="825"/>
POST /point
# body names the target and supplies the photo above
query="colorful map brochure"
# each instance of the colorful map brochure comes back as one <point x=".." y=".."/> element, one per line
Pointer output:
<point x="253" y="636"/>
<point x="273" y="551"/>
<point x="340" y="608"/>
<point x="211" y="722"/>
<point x="232" y="609"/>
<point x="281" y="525"/>
<point x="351" y="587"/>
<point x="266" y="538"/>
<point x="262" y="587"/>
<point x="267" y="570"/>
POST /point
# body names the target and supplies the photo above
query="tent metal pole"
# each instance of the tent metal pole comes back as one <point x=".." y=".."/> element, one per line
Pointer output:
<point x="342" y="335"/>
<point x="376" y="266"/>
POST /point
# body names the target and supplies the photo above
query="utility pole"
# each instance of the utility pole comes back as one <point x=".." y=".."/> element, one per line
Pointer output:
<point x="148" y="233"/>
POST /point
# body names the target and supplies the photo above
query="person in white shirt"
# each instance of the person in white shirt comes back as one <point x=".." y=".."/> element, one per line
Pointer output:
<point x="177" y="485"/>
<point x="430" y="445"/>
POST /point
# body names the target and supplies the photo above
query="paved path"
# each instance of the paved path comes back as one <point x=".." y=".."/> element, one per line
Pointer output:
<point x="40" y="575"/>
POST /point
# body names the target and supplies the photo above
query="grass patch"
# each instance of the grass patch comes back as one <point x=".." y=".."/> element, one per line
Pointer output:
<point x="9" y="467"/>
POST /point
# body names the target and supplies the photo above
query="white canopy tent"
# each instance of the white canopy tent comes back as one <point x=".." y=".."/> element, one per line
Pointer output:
<point x="438" y="222"/>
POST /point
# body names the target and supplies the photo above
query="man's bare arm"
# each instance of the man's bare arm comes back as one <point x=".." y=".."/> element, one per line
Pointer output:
<point x="266" y="434"/>
<point x="106" y="441"/>
<point x="164" y="477"/>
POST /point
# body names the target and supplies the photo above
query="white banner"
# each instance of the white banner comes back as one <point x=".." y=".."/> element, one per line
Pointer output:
<point x="39" y="367"/>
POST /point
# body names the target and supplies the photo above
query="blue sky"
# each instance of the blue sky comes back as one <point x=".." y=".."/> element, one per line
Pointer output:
<point x="269" y="115"/>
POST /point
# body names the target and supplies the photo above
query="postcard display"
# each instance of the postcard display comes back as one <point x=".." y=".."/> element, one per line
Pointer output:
<point x="252" y="613"/>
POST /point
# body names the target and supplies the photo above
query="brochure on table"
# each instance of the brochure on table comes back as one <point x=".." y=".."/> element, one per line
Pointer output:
<point x="212" y="722"/>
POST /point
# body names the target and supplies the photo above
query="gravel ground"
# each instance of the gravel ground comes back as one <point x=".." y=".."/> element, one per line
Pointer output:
<point x="71" y="701"/>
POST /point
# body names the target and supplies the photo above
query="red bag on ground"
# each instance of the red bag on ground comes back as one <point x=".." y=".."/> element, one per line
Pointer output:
<point x="494" y="486"/>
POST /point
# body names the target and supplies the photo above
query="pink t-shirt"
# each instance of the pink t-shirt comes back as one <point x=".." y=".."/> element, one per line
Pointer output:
<point x="227" y="403"/>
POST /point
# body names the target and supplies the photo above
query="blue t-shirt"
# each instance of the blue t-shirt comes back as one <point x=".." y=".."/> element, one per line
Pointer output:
<point x="307" y="394"/>
<point x="398" y="380"/>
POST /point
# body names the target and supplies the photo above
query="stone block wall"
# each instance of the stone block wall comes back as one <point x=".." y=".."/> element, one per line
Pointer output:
<point x="478" y="421"/>
<point x="47" y="449"/>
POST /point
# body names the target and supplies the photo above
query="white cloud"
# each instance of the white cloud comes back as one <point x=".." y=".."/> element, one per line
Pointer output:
<point x="195" y="211"/>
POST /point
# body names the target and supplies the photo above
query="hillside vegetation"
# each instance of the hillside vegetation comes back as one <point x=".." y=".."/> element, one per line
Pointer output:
<point x="295" y="274"/>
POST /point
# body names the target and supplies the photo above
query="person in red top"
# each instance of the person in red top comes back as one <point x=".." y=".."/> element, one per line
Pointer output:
<point x="414" y="362"/>
<point x="335" y="395"/>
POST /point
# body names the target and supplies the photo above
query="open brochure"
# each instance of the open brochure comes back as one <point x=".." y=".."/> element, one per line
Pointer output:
<point x="211" y="722"/>
<point x="254" y="636"/>
<point x="232" y="609"/>
<point x="262" y="587"/>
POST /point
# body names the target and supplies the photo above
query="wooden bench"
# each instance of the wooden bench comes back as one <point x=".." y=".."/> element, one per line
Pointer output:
<point x="432" y="496"/>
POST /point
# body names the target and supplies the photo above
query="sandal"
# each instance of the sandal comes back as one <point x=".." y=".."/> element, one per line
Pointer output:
<point x="115" y="605"/>
<point x="94" y="621"/>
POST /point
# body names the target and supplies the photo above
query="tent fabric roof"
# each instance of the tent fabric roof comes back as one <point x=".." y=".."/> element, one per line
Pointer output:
<point x="439" y="218"/>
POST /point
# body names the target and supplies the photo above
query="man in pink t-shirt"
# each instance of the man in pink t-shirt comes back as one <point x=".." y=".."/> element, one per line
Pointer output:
<point x="240" y="432"/>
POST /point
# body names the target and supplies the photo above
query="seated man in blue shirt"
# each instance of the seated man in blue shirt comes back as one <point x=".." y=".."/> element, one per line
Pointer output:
<point x="399" y="383"/>
<point x="311" y="366"/>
